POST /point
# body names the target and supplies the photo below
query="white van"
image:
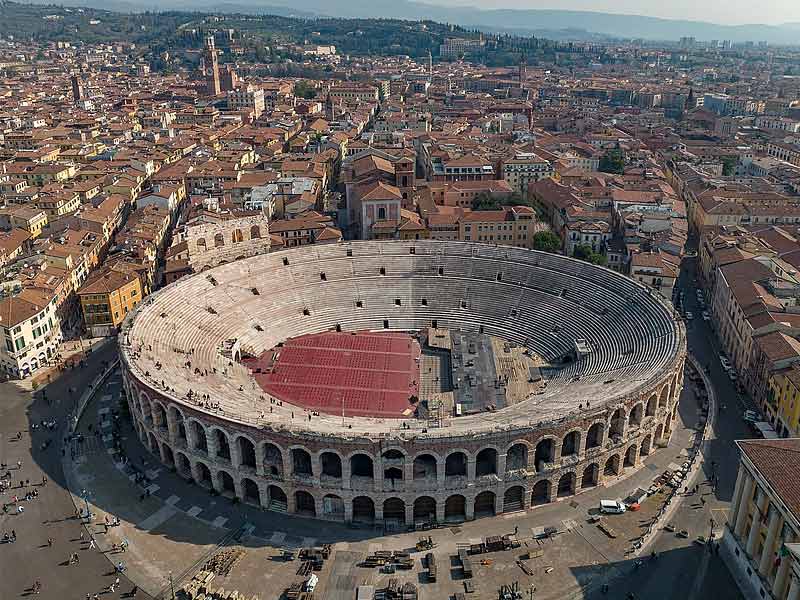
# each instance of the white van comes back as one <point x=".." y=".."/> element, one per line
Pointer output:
<point x="612" y="507"/>
<point x="311" y="583"/>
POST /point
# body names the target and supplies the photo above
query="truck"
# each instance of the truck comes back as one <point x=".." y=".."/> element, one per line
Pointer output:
<point x="612" y="507"/>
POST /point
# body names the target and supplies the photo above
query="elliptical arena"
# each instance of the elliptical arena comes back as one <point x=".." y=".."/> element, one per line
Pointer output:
<point x="403" y="382"/>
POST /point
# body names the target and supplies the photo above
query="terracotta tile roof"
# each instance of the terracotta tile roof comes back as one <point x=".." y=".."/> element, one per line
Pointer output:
<point x="777" y="461"/>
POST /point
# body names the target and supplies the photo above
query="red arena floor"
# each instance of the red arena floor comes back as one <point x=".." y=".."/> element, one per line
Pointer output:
<point x="359" y="374"/>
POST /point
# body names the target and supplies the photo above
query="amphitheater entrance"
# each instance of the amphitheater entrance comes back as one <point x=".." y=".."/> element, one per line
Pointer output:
<point x="277" y="499"/>
<point x="541" y="493"/>
<point x="645" y="447"/>
<point x="203" y="475"/>
<point x="273" y="460"/>
<point x="571" y="444"/>
<point x="247" y="453"/>
<point x="331" y="465"/>
<point x="590" y="476"/>
<point x="455" y="465"/>
<point x="611" y="467"/>
<point x="517" y="458"/>
<point x="566" y="485"/>
<point x="424" y="509"/>
<point x="455" y="508"/>
<point x="333" y="507"/>
<point x="361" y="466"/>
<point x="424" y="467"/>
<point x="484" y="504"/>
<point x="617" y="423"/>
<point x="250" y="492"/>
<point x="486" y="462"/>
<point x="223" y="447"/>
<point x="304" y="504"/>
<point x="226" y="485"/>
<point x="630" y="457"/>
<point x="594" y="436"/>
<point x="201" y="441"/>
<point x="363" y="510"/>
<point x="513" y="499"/>
<point x="545" y="453"/>
<point x="301" y="462"/>
<point x="394" y="512"/>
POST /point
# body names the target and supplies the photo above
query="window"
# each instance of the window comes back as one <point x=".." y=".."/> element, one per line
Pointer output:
<point x="133" y="293"/>
<point x="381" y="213"/>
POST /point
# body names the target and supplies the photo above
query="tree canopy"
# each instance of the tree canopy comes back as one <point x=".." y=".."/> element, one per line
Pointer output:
<point x="546" y="241"/>
<point x="584" y="252"/>
<point x="613" y="161"/>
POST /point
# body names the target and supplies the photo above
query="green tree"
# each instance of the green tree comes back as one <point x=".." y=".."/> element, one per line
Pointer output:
<point x="546" y="241"/>
<point x="613" y="161"/>
<point x="485" y="201"/>
<point x="585" y="253"/>
<point x="303" y="89"/>
<point x="729" y="165"/>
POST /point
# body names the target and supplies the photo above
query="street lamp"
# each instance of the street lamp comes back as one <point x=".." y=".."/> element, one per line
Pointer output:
<point x="171" y="585"/>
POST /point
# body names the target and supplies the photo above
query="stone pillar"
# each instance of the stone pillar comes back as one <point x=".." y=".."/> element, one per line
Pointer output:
<point x="782" y="577"/>
<point x="346" y="474"/>
<point x="501" y="465"/>
<point x="526" y="498"/>
<point x="378" y="510"/>
<point x="408" y="471"/>
<point x="470" y="468"/>
<point x="744" y="506"/>
<point x="469" y="505"/>
<point x="440" y="511"/>
<point x="236" y="455"/>
<point x="409" y="513"/>
<point x="499" y="504"/>
<point x="286" y="457"/>
<point x="775" y="522"/>
<point x="737" y="495"/>
<point x="172" y="426"/>
<point x="348" y="510"/>
<point x="291" y="507"/>
<point x="377" y="473"/>
<point x="755" y="526"/>
<point x="237" y="488"/>
<point x="440" y="473"/>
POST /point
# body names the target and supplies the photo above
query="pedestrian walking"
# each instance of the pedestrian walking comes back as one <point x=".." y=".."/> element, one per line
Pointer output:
<point x="91" y="544"/>
<point x="49" y="542"/>
<point x="81" y="535"/>
<point x="19" y="463"/>
<point x="134" y="589"/>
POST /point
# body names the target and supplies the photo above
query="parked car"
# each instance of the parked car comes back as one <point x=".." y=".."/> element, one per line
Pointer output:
<point x="612" y="507"/>
<point x="706" y="316"/>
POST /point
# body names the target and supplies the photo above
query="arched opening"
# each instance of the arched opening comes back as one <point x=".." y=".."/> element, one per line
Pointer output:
<point x="617" y="423"/>
<point x="225" y="484"/>
<point x="394" y="509"/>
<point x="612" y="466"/>
<point x="201" y="244"/>
<point x="393" y="474"/>
<point x="273" y="460"/>
<point x="182" y="465"/>
<point x="223" y="447"/>
<point x="160" y="416"/>
<point x="168" y="456"/>
<point x="333" y="507"/>
<point x="361" y="466"/>
<point x="363" y="509"/>
<point x="331" y="465"/>
<point x="250" y="492"/>
<point x="203" y="475"/>
<point x="237" y="236"/>
<point x="153" y="442"/>
<point x="455" y="465"/>
<point x="277" y="499"/>
<point x="424" y="467"/>
<point x="200" y="439"/>
<point x="455" y="508"/>
<point x="658" y="435"/>
<point x="590" y="476"/>
<point x="566" y="485"/>
<point x="637" y="412"/>
<point x="393" y="457"/>
<point x="219" y="240"/>
<point x="301" y="462"/>
<point x="517" y="457"/>
<point x="571" y="444"/>
<point x="484" y="504"/>
<point x="147" y="412"/>
<point x="545" y="454"/>
<point x="486" y="462"/>
<point x="664" y="397"/>
<point x="651" y="406"/>
<point x="630" y="457"/>
<point x="514" y="499"/>
<point x="645" y="447"/>
<point x="255" y="232"/>
<point x="247" y="453"/>
<point x="541" y="493"/>
<point x="594" y="437"/>
<point x="424" y="509"/>
<point x="304" y="504"/>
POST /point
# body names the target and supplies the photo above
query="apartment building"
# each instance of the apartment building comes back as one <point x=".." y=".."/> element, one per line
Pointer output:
<point x="106" y="298"/>
<point x="31" y="332"/>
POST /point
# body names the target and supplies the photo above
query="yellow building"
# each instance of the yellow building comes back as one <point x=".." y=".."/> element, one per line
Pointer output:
<point x="784" y="386"/>
<point x="106" y="299"/>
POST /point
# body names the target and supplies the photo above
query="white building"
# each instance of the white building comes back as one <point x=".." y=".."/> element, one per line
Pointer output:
<point x="30" y="330"/>
<point x="247" y="98"/>
<point x="526" y="168"/>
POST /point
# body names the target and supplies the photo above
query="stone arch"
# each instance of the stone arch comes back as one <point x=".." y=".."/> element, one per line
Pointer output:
<point x="425" y="466"/>
<point x="223" y="446"/>
<point x="630" y="457"/>
<point x="219" y="240"/>
<point x="362" y="465"/>
<point x="644" y="449"/>
<point x="394" y="509"/>
<point x="159" y="415"/>
<point x="147" y="412"/>
<point x="272" y="458"/>
<point x="201" y="244"/>
<point x="484" y="504"/>
<point x="455" y="508"/>
<point x="363" y="509"/>
<point x="183" y="465"/>
<point x="591" y="476"/>
<point x="514" y="499"/>
<point x="200" y="437"/>
<point x="167" y="456"/>
<point x="541" y="492"/>
<point x="152" y="442"/>
<point x="276" y="498"/>
<point x="225" y="484"/>
<point x="566" y="485"/>
<point x="617" y="424"/>
<point x="611" y="466"/>
<point x="517" y="457"/>
<point x="301" y="462"/>
<point x="250" y="492"/>
<point x="176" y="416"/>
<point x="594" y="436"/>
<point x="486" y="462"/>
<point x="545" y="453"/>
<point x="333" y="507"/>
<point x="637" y="413"/>
<point x="330" y="464"/>
<point x="255" y="232"/>
<point x="424" y="509"/>
<point x="658" y="435"/>
<point x="237" y="236"/>
<point x="202" y="474"/>
<point x="304" y="504"/>
<point x="455" y="465"/>
<point x="650" y="411"/>
<point x="571" y="443"/>
<point x="247" y="452"/>
<point x="663" y="397"/>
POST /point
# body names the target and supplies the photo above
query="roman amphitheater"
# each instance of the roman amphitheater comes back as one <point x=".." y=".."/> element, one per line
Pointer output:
<point x="403" y="382"/>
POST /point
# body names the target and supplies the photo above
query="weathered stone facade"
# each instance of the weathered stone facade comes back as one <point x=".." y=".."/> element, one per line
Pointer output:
<point x="213" y="244"/>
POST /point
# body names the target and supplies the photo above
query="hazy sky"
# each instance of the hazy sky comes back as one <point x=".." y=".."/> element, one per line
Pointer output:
<point x="717" y="11"/>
